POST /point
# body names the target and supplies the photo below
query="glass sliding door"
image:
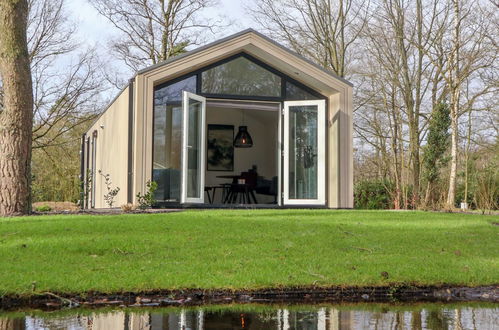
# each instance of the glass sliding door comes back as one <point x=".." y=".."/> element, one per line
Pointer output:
<point x="167" y="138"/>
<point x="193" y="148"/>
<point x="304" y="152"/>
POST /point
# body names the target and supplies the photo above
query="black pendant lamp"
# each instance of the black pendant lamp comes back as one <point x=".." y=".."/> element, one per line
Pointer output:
<point x="243" y="138"/>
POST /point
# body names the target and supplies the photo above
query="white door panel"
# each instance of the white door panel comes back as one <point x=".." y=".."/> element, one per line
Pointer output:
<point x="193" y="148"/>
<point x="304" y="148"/>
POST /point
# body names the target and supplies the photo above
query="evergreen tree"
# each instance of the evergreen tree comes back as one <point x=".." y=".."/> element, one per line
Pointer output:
<point x="437" y="144"/>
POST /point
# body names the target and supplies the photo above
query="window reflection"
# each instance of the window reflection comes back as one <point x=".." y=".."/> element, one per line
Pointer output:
<point x="295" y="93"/>
<point x="167" y="138"/>
<point x="241" y="77"/>
<point x="303" y="151"/>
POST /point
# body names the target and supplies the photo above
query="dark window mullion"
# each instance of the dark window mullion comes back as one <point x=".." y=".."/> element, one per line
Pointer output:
<point x="283" y="87"/>
<point x="198" y="83"/>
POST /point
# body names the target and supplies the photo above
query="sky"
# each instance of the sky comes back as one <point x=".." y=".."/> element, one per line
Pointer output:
<point x="96" y="30"/>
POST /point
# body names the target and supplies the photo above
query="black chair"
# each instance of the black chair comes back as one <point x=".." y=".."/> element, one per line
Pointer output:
<point x="243" y="193"/>
<point x="267" y="187"/>
<point x="207" y="190"/>
<point x="213" y="189"/>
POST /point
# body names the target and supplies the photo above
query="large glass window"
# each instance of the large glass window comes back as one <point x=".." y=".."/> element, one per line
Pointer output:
<point x="303" y="152"/>
<point x="241" y="76"/>
<point x="194" y="149"/>
<point x="295" y="93"/>
<point x="167" y="138"/>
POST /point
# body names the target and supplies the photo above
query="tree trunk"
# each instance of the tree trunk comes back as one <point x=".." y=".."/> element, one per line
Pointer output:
<point x="12" y="324"/>
<point x="455" y="97"/>
<point x="410" y="89"/>
<point x="451" y="196"/>
<point x="16" y="118"/>
<point x="416" y="167"/>
<point x="467" y="159"/>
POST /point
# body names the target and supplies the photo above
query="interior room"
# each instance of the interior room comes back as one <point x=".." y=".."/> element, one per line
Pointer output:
<point x="248" y="173"/>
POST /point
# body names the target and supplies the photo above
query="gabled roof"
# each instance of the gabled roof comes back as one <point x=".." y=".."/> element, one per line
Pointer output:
<point x="237" y="35"/>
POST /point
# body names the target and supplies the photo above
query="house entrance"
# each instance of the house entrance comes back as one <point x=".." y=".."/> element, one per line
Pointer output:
<point x="238" y="132"/>
<point x="242" y="152"/>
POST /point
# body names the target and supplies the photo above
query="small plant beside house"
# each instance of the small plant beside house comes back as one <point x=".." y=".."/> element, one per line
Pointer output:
<point x="128" y="208"/>
<point x="111" y="192"/>
<point x="147" y="200"/>
<point x="87" y="187"/>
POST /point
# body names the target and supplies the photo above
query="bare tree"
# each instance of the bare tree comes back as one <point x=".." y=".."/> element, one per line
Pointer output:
<point x="152" y="31"/>
<point x="394" y="62"/>
<point x="66" y="100"/>
<point x="454" y="81"/>
<point x="64" y="95"/>
<point x="466" y="51"/>
<point x="16" y="115"/>
<point x="50" y="33"/>
<point x="68" y="86"/>
<point x="322" y="30"/>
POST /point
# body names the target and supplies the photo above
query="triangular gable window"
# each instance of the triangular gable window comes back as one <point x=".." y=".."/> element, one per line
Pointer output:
<point x="295" y="93"/>
<point x="240" y="76"/>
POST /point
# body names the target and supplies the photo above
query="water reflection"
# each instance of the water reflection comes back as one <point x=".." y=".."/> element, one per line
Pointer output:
<point x="263" y="317"/>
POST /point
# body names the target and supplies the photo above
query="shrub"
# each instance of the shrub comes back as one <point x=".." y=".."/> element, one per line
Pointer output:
<point x="111" y="192"/>
<point x="487" y="190"/>
<point x="483" y="183"/>
<point x="373" y="194"/>
<point x="43" y="208"/>
<point x="147" y="200"/>
<point x="127" y="208"/>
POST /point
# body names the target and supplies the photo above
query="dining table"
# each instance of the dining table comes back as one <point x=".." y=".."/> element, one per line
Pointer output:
<point x="227" y="194"/>
<point x="224" y="186"/>
<point x="233" y="177"/>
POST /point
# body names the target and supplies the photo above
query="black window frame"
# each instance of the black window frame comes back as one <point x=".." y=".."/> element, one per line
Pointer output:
<point x="232" y="96"/>
<point x="284" y="78"/>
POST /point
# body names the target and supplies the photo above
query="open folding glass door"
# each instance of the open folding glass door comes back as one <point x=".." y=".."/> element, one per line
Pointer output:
<point x="193" y="148"/>
<point x="304" y="149"/>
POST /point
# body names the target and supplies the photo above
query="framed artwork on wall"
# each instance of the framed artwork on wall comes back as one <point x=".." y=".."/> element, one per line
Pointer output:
<point x="220" y="153"/>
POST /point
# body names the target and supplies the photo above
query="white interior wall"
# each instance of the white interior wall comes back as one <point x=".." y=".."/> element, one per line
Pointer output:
<point x="263" y="128"/>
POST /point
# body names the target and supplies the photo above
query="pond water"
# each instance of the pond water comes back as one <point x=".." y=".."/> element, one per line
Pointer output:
<point x="323" y="317"/>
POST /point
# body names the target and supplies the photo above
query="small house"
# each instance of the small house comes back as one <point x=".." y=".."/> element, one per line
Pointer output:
<point x="242" y="121"/>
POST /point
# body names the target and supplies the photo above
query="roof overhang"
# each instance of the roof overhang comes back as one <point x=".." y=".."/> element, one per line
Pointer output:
<point x="258" y="46"/>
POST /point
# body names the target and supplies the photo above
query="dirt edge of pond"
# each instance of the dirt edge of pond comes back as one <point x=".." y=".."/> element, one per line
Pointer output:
<point x="307" y="295"/>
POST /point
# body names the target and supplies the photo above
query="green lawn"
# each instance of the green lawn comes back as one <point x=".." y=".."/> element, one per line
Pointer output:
<point x="245" y="249"/>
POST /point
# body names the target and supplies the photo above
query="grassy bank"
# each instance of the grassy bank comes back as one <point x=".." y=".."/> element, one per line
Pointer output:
<point x="245" y="249"/>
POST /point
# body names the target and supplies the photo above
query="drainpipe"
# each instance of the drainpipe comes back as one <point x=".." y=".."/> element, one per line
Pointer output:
<point x="82" y="172"/>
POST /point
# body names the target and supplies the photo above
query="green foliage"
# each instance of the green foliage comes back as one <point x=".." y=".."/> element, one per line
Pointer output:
<point x="373" y="194"/>
<point x="486" y="195"/>
<point x="87" y="187"/>
<point x="179" y="48"/>
<point x="56" y="166"/>
<point x="437" y="143"/>
<point x="111" y="192"/>
<point x="147" y="200"/>
<point x="43" y="208"/>
<point x="244" y="249"/>
<point x="483" y="182"/>
<point x="55" y="173"/>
